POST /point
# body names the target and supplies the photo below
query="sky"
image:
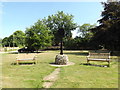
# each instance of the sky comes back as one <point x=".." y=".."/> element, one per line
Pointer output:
<point x="20" y="15"/>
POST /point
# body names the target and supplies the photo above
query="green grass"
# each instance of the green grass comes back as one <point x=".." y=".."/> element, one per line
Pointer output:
<point x="26" y="76"/>
<point x="74" y="76"/>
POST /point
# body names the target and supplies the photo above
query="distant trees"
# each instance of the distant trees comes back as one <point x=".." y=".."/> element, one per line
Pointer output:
<point x="85" y="30"/>
<point x="73" y="43"/>
<point x="83" y="41"/>
<point x="16" y="39"/>
<point x="0" y="42"/>
<point x="5" y="42"/>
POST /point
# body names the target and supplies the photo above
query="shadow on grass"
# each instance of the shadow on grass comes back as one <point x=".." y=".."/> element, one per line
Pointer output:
<point x="24" y="52"/>
<point x="52" y="63"/>
<point x="88" y="64"/>
<point x="77" y="53"/>
<point x="22" y="63"/>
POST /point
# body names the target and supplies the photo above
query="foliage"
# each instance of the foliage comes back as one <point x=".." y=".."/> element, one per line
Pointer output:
<point x="0" y="42"/>
<point x="16" y="39"/>
<point x="73" y="44"/>
<point x="83" y="41"/>
<point x="85" y="30"/>
<point x="11" y="40"/>
<point x="5" y="41"/>
<point x="78" y="43"/>
<point x="60" y="20"/>
<point x="19" y="38"/>
<point x="107" y="34"/>
<point x="38" y="36"/>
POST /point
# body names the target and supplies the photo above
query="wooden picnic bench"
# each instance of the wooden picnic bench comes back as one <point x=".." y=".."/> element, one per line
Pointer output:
<point x="105" y="57"/>
<point x="26" y="58"/>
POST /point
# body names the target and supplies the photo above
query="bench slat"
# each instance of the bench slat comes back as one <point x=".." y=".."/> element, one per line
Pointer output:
<point x="98" y="57"/>
<point x="25" y="57"/>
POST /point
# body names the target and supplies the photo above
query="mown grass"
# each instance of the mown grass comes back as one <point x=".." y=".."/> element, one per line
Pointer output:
<point x="26" y="76"/>
<point x="74" y="76"/>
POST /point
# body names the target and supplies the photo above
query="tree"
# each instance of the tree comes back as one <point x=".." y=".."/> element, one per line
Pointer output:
<point x="8" y="41"/>
<point x="60" y="20"/>
<point x="19" y="38"/>
<point x="5" y="42"/>
<point x="11" y="41"/>
<point x="107" y="33"/>
<point x="85" y="30"/>
<point x="73" y="44"/>
<point x="14" y="40"/>
<point x="85" y="35"/>
<point x="38" y="36"/>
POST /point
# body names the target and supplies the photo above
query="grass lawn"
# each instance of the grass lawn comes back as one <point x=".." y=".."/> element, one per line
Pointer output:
<point x="74" y="76"/>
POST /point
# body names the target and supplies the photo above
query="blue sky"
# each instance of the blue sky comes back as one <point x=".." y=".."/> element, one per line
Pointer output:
<point x="20" y="15"/>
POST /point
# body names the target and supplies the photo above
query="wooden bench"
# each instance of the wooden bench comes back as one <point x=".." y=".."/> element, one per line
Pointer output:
<point x="26" y="58"/>
<point x="105" y="57"/>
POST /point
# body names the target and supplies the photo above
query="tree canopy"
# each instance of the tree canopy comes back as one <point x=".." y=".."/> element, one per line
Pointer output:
<point x="107" y="33"/>
<point x="61" y="20"/>
<point x="85" y="30"/>
<point x="38" y="36"/>
<point x="16" y="39"/>
<point x="19" y="38"/>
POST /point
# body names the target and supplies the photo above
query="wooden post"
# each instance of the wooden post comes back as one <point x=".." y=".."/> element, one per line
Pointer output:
<point x="61" y="34"/>
<point x="61" y="47"/>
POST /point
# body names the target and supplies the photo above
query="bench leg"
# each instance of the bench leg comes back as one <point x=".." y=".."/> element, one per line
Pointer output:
<point x="36" y="61"/>
<point x="87" y="61"/>
<point x="108" y="63"/>
<point x="17" y="62"/>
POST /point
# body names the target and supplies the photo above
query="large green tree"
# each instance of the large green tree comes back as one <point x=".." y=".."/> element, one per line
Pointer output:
<point x="107" y="33"/>
<point x="60" y="21"/>
<point x="38" y="36"/>
<point x="19" y="38"/>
